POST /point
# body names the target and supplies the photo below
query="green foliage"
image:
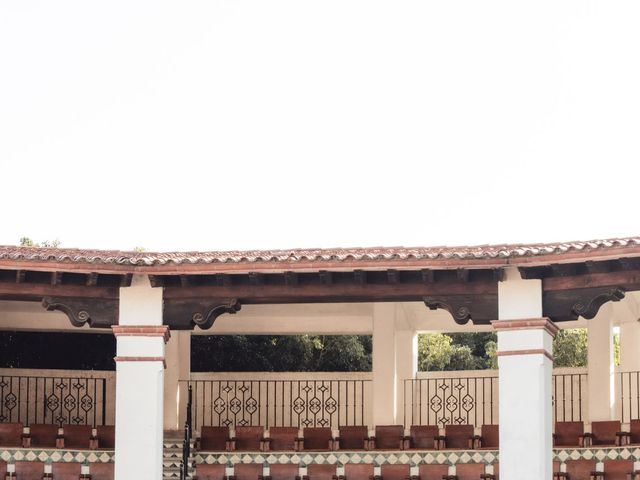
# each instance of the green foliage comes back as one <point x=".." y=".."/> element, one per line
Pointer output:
<point x="280" y="353"/>
<point x="570" y="348"/>
<point x="467" y="351"/>
<point x="27" y="242"/>
<point x="492" y="353"/>
<point x="475" y="351"/>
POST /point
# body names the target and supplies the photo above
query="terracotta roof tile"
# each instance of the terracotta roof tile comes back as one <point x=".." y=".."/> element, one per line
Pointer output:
<point x="10" y="254"/>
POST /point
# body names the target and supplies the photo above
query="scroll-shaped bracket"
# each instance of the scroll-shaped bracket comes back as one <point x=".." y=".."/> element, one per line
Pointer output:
<point x="563" y="305"/>
<point x="589" y="308"/>
<point x="97" y="313"/>
<point x="186" y="314"/>
<point x="480" y="309"/>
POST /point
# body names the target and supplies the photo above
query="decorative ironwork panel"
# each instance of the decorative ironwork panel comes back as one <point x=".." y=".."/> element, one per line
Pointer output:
<point x="53" y="400"/>
<point x="295" y="403"/>
<point x="453" y="400"/>
<point x="474" y="400"/>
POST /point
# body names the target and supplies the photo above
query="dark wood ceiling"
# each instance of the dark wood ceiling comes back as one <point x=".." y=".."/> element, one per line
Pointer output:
<point x="470" y="294"/>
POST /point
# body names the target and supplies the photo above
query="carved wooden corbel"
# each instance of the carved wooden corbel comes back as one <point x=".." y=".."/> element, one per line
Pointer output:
<point x="480" y="309"/>
<point x="186" y="314"/>
<point x="563" y="305"/>
<point x="97" y="313"/>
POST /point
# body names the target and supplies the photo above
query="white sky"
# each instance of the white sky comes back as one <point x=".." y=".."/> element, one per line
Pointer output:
<point x="264" y="124"/>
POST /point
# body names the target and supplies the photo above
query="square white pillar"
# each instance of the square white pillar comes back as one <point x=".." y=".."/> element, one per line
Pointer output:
<point x="525" y="365"/>
<point x="140" y="358"/>
<point x="406" y="368"/>
<point x="600" y="366"/>
<point x="384" y="364"/>
<point x="629" y="341"/>
<point x="178" y="362"/>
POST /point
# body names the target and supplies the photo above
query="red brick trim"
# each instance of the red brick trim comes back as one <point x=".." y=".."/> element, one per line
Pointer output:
<point x="537" y="351"/>
<point x="142" y="331"/>
<point x="141" y="359"/>
<point x="527" y="324"/>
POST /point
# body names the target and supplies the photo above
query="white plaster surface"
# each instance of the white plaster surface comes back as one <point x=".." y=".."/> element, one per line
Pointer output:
<point x="140" y="304"/>
<point x="519" y="299"/>
<point x="139" y="415"/>
<point x="510" y="340"/>
<point x="406" y="366"/>
<point x="525" y="388"/>
<point x="130" y="346"/>
<point x="139" y="386"/>
<point x="384" y="364"/>
<point x="178" y="361"/>
<point x="600" y="365"/>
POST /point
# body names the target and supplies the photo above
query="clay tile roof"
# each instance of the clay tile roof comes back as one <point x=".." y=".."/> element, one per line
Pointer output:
<point x="450" y="257"/>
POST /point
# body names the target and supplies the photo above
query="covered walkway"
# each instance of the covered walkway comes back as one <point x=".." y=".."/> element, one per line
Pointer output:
<point x="153" y="303"/>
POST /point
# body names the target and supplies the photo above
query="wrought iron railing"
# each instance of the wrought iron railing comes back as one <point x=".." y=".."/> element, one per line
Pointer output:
<point x="186" y="444"/>
<point x="629" y="391"/>
<point x="474" y="399"/>
<point x="53" y="400"/>
<point x="297" y="403"/>
<point x="569" y="396"/>
<point x="451" y="400"/>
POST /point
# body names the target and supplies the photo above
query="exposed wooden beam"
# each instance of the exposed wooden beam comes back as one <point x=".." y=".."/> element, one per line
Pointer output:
<point x="56" y="278"/>
<point x="92" y="279"/>
<point x="427" y="275"/>
<point x="185" y="281"/>
<point x="290" y="278"/>
<point x="326" y="277"/>
<point x="125" y="280"/>
<point x="393" y="276"/>
<point x="462" y="274"/>
<point x="360" y="276"/>
<point x="335" y="292"/>
<point x="564" y="269"/>
<point x="498" y="274"/>
<point x="223" y="280"/>
<point x="35" y="291"/>
<point x="597" y="267"/>
<point x="256" y="278"/>
<point x="629" y="280"/>
<point x="480" y="309"/>
<point x="563" y="305"/>
<point x="20" y="274"/>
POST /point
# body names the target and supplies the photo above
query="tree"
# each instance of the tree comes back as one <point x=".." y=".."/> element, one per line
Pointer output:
<point x="437" y="351"/>
<point x="570" y="348"/>
<point x="492" y="354"/>
<point x="281" y="353"/>
<point x="27" y="242"/>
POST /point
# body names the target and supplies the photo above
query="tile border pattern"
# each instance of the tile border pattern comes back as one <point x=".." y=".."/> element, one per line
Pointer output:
<point x="86" y="457"/>
<point x="411" y="457"/>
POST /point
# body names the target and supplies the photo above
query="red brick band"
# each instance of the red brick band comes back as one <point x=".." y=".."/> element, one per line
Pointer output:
<point x="537" y="351"/>
<point x="141" y="359"/>
<point x="527" y="324"/>
<point x="142" y="331"/>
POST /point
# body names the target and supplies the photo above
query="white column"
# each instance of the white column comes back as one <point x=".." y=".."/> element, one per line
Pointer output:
<point x="406" y="367"/>
<point x="600" y="365"/>
<point x="384" y="364"/>
<point x="629" y="321"/>
<point x="178" y="361"/>
<point x="139" y="382"/>
<point x="525" y="365"/>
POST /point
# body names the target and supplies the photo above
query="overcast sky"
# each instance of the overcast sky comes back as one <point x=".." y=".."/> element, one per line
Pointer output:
<point x="264" y="124"/>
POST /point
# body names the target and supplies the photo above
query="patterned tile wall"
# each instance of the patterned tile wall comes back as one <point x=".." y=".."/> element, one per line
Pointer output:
<point x="411" y="457"/>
